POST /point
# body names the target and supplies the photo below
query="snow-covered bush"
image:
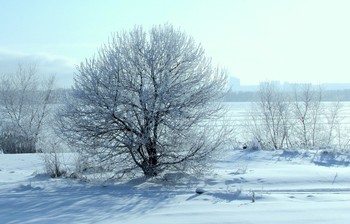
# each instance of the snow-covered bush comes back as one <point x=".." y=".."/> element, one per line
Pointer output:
<point x="53" y="151"/>
<point x="12" y="142"/>
<point x="53" y="165"/>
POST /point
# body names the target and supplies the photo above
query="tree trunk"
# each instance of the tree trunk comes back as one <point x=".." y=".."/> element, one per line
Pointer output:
<point x="150" y="164"/>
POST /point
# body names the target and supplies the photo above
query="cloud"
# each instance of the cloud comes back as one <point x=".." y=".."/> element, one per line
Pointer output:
<point x="62" y="68"/>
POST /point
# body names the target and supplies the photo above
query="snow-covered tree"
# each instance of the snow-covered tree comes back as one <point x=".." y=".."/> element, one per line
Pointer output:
<point x="144" y="102"/>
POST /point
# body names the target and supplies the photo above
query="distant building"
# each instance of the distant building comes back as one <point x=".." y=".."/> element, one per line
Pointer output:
<point x="234" y="83"/>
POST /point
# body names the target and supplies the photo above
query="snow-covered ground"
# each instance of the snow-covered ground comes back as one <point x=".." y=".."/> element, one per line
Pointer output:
<point x="288" y="187"/>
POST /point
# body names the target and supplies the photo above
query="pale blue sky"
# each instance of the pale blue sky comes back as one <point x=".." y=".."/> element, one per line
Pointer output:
<point x="256" y="40"/>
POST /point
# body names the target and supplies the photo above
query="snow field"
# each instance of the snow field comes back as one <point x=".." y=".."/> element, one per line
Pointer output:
<point x="288" y="187"/>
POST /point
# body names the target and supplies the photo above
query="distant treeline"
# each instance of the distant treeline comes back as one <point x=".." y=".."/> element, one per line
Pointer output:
<point x="327" y="95"/>
<point x="59" y="96"/>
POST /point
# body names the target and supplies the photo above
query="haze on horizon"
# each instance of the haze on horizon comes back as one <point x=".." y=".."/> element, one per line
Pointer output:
<point x="290" y="40"/>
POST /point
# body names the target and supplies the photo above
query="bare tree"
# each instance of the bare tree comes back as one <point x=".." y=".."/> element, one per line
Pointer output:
<point x="334" y="125"/>
<point x="307" y="110"/>
<point x="24" y="103"/>
<point x="277" y="122"/>
<point x="270" y="117"/>
<point x="144" y="102"/>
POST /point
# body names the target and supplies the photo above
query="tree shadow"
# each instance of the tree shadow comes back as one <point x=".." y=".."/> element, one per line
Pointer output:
<point x="289" y="155"/>
<point x="329" y="159"/>
<point x="79" y="202"/>
<point x="318" y="157"/>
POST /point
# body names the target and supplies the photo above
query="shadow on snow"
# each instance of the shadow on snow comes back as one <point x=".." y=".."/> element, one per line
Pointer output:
<point x="79" y="202"/>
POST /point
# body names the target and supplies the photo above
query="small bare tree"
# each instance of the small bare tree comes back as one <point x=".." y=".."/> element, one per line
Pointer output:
<point x="334" y="125"/>
<point x="307" y="110"/>
<point x="306" y="121"/>
<point x="145" y="102"/>
<point x="270" y="117"/>
<point x="24" y="101"/>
